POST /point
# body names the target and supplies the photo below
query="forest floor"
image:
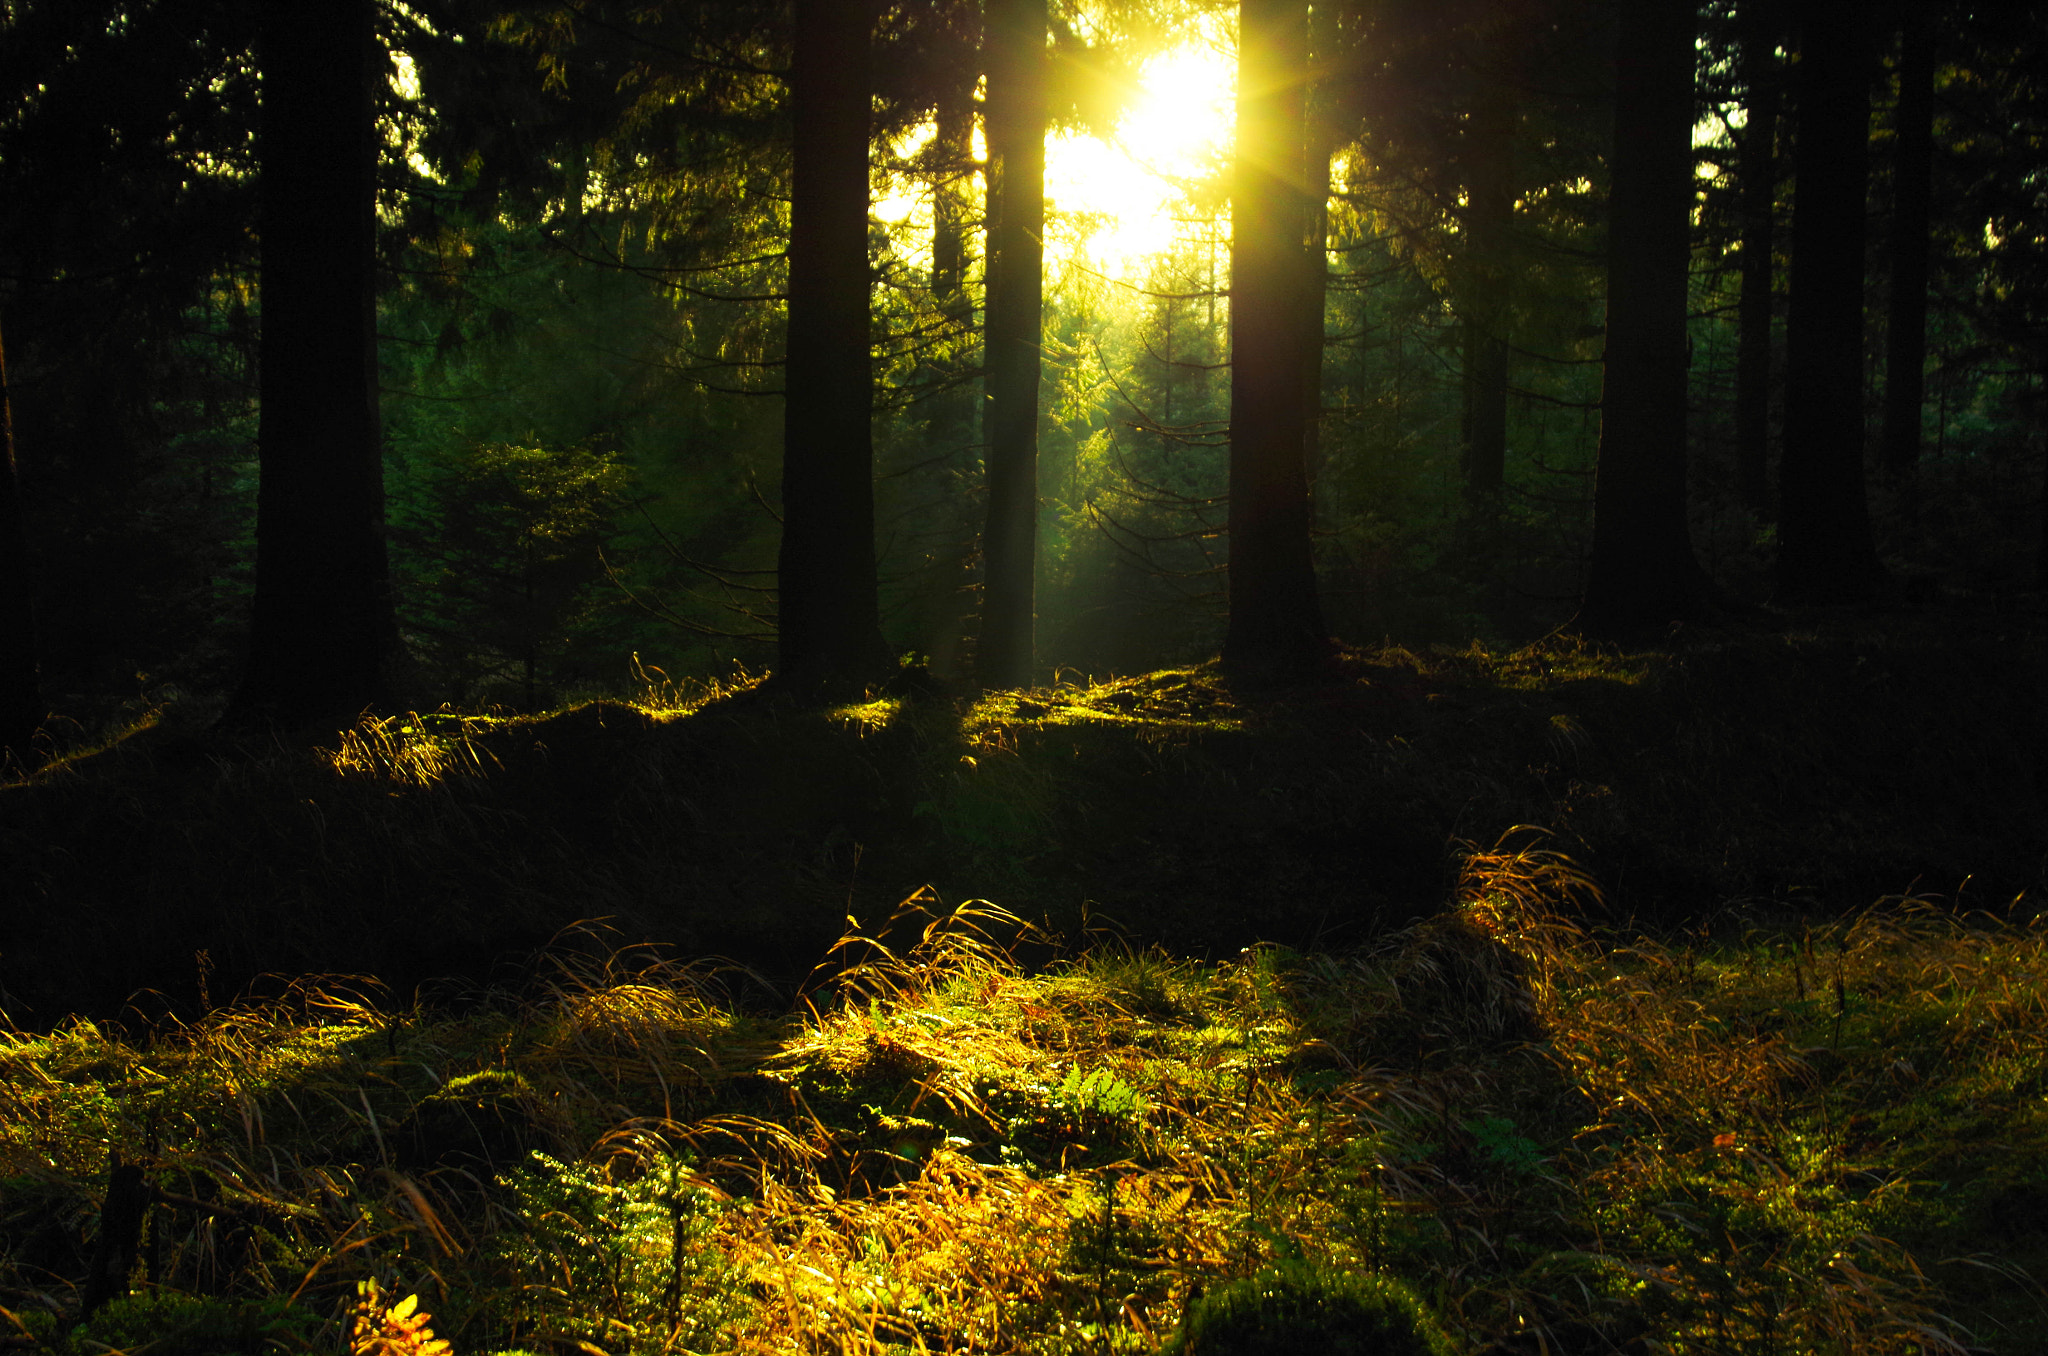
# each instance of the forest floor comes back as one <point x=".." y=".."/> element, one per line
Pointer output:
<point x="1735" y="1043"/>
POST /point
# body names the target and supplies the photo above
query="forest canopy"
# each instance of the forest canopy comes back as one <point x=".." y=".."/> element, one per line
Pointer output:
<point x="487" y="353"/>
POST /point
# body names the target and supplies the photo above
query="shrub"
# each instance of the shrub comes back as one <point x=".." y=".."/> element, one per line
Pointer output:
<point x="171" y="1324"/>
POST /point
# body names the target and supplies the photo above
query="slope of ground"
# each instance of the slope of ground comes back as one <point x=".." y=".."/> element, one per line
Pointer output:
<point x="1774" y="770"/>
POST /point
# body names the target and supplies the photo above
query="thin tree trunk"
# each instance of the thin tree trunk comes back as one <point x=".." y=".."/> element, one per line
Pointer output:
<point x="1276" y="630"/>
<point x="1643" y="572"/>
<point x="949" y="421"/>
<point x="1758" y="162"/>
<point x="1905" y="366"/>
<point x="953" y="148"/>
<point x="21" y="696"/>
<point x="1489" y="220"/>
<point x="1016" y="114"/>
<point x="1320" y="136"/>
<point x="322" y="637"/>
<point x="829" y="620"/>
<point x="1826" y="553"/>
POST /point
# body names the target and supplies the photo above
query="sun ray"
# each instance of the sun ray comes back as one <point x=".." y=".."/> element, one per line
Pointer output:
<point x="1127" y="199"/>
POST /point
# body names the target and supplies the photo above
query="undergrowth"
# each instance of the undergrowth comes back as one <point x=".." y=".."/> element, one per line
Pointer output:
<point x="1534" y="1133"/>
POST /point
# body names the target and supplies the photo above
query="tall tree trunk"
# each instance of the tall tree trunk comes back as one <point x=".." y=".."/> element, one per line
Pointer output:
<point x="21" y="696"/>
<point x="1276" y="628"/>
<point x="1825" y="549"/>
<point x="1016" y="114"/>
<point x="829" y="618"/>
<point x="1488" y="223"/>
<point x="1643" y="572"/>
<point x="1905" y="376"/>
<point x="953" y="151"/>
<point x="1758" y="167"/>
<point x="950" y="412"/>
<point x="1320" y="138"/>
<point x="322" y="638"/>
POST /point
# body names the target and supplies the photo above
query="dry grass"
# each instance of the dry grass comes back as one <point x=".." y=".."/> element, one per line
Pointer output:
<point x="1565" y="1141"/>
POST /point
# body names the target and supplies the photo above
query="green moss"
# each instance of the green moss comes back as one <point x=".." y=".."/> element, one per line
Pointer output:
<point x="1302" y="1309"/>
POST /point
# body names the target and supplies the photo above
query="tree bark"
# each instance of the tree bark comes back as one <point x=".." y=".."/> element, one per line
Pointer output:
<point x="1276" y="630"/>
<point x="1758" y="167"/>
<point x="322" y="638"/>
<point x="829" y="620"/>
<point x="1905" y="365"/>
<point x="1320" y="140"/>
<point x="21" y="696"/>
<point x="1016" y="114"/>
<point x="1643" y="572"/>
<point x="1488" y="222"/>
<point x="1826" y="553"/>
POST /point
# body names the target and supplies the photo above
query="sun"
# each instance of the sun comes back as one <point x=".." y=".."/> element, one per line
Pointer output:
<point x="1113" y="205"/>
<point x="1119" y="202"/>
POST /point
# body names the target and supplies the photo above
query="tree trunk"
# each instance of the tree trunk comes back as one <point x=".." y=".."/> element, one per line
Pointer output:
<point x="953" y="148"/>
<point x="830" y="637"/>
<point x="1643" y="572"/>
<point x="1488" y="222"/>
<point x="1758" y="167"/>
<point x="951" y="413"/>
<point x="1320" y="138"/>
<point x="21" y="696"/>
<point x="1905" y="376"/>
<point x="322" y="638"/>
<point x="1016" y="113"/>
<point x="1276" y="628"/>
<point x="1825" y="549"/>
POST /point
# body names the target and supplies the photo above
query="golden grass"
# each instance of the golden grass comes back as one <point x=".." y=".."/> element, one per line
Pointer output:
<point x="1564" y="1139"/>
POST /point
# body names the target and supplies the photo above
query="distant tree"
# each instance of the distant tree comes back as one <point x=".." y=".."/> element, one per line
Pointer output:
<point x="1642" y="570"/>
<point x="830" y="636"/>
<point x="1826" y="552"/>
<point x="1276" y="627"/>
<point x="1905" y="379"/>
<point x="512" y="547"/>
<point x="1016" y="121"/>
<point x="322" y="638"/>
<point x="21" y="697"/>
<point x="1760" y="29"/>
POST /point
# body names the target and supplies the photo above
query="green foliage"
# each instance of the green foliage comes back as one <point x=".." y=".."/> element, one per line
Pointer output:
<point x="511" y="544"/>
<point x="618" y="1253"/>
<point x="1504" y="1146"/>
<point x="1295" y="1307"/>
<point x="165" y="1323"/>
<point x="1099" y="1096"/>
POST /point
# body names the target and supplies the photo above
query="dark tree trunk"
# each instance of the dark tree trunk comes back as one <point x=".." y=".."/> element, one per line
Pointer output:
<point x="1758" y="167"/>
<point x="1276" y="624"/>
<point x="21" y="696"/>
<point x="1016" y="113"/>
<point x="1825" y="549"/>
<point x="951" y="410"/>
<point x="1489" y="221"/>
<point x="1320" y="136"/>
<point x="1905" y="377"/>
<point x="1643" y="572"/>
<point x="953" y="148"/>
<point x="322" y="639"/>
<point x="830" y="635"/>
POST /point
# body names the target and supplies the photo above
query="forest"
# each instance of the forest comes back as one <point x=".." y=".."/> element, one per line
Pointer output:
<point x="1023" y="676"/>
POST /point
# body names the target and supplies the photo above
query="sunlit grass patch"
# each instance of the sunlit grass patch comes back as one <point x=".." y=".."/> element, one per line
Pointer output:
<point x="1553" y="1135"/>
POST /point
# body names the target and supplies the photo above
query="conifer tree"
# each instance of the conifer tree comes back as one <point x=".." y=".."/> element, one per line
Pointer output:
<point x="21" y="698"/>
<point x="322" y="638"/>
<point x="1276" y="624"/>
<point x="830" y="637"/>
<point x="1016" y="265"/>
